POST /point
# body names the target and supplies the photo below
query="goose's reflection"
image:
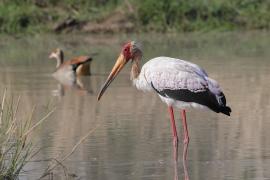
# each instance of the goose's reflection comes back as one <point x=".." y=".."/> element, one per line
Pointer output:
<point x="80" y="84"/>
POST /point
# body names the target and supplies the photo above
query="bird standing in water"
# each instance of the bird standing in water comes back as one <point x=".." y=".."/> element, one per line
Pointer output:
<point x="180" y="84"/>
<point x="78" y="65"/>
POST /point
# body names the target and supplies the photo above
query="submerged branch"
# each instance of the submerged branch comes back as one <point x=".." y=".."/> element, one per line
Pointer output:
<point x="60" y="162"/>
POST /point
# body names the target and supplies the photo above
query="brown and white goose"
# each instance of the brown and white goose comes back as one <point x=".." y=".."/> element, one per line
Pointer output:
<point x="76" y="66"/>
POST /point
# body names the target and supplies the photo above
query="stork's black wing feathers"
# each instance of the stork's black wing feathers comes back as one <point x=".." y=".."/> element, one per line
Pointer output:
<point x="206" y="98"/>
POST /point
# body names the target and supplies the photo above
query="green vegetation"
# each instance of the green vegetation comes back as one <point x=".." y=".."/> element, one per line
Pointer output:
<point x="18" y="16"/>
<point x="27" y="16"/>
<point x="193" y="15"/>
<point x="16" y="147"/>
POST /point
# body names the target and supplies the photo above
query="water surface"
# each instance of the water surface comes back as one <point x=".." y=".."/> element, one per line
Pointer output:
<point x="133" y="136"/>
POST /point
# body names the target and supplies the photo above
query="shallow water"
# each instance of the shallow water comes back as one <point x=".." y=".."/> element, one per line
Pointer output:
<point x="132" y="136"/>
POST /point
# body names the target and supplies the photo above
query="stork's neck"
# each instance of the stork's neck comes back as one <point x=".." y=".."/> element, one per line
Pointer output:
<point x="59" y="60"/>
<point x="135" y="69"/>
<point x="138" y="76"/>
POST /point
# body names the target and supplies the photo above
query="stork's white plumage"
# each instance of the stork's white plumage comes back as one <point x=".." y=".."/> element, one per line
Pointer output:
<point x="179" y="84"/>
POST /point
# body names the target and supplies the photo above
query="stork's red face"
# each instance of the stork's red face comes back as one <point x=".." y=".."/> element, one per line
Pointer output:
<point x="128" y="52"/>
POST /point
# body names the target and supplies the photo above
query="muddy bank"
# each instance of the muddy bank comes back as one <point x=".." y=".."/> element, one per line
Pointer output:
<point x="115" y="22"/>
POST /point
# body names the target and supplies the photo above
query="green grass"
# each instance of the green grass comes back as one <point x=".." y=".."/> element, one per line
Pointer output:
<point x="19" y="18"/>
<point x="25" y="16"/>
<point x="16" y="147"/>
<point x="194" y="15"/>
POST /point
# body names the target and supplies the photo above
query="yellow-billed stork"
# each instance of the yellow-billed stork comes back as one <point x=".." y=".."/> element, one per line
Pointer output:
<point x="178" y="83"/>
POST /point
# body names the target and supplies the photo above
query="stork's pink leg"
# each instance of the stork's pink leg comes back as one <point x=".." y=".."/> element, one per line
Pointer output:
<point x="186" y="137"/>
<point x="174" y="133"/>
<point x="186" y="141"/>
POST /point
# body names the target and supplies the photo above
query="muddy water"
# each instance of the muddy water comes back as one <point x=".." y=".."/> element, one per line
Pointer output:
<point x="131" y="136"/>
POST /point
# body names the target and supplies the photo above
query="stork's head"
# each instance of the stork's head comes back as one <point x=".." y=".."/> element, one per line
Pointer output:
<point x="57" y="54"/>
<point x="130" y="51"/>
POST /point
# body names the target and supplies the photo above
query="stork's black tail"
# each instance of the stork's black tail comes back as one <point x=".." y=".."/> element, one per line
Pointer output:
<point x="226" y="110"/>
